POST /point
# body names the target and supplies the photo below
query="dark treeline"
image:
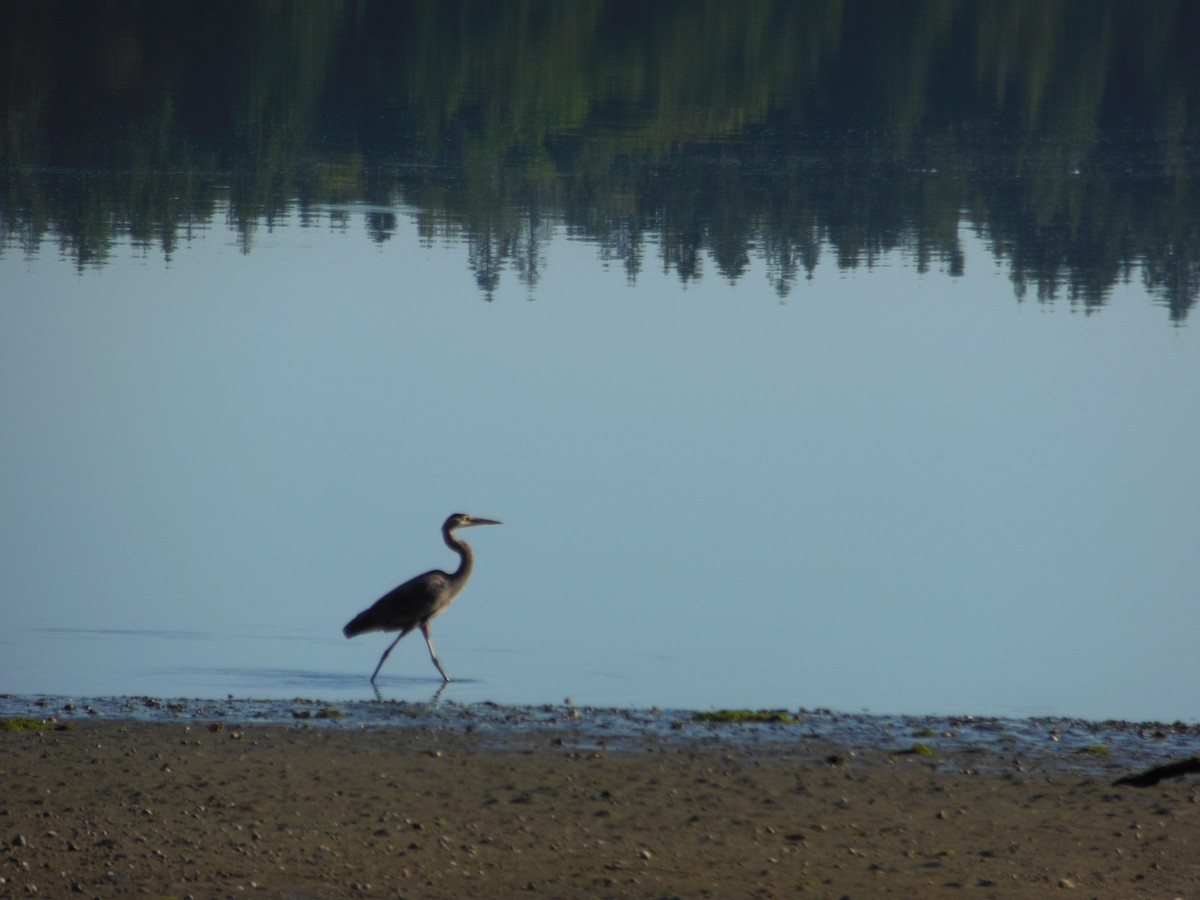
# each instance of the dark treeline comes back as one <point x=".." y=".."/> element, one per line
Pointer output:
<point x="1064" y="133"/>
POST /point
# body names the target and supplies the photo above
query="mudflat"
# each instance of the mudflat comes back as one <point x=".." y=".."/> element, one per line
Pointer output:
<point x="112" y="808"/>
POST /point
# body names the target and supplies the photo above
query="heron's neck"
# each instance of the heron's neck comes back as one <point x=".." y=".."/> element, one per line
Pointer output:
<point x="465" y="557"/>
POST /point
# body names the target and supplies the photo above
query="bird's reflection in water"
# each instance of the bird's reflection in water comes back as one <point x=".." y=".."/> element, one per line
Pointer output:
<point x="433" y="701"/>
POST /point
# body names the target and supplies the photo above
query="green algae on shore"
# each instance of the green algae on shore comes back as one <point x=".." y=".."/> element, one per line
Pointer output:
<point x="917" y="749"/>
<point x="778" y="716"/>
<point x="23" y="724"/>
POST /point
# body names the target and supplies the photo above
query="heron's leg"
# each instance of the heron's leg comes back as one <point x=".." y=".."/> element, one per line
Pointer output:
<point x="432" y="655"/>
<point x="385" y="655"/>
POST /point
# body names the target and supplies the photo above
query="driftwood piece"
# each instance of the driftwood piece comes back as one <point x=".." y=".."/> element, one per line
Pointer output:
<point x="1153" y="776"/>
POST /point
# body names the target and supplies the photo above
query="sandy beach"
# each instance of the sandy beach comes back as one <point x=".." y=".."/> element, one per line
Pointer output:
<point x="193" y="809"/>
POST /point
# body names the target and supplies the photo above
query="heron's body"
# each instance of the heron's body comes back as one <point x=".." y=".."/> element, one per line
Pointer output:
<point x="419" y="600"/>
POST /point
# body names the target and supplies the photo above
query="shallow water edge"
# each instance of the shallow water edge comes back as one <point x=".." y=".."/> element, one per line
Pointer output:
<point x="965" y="743"/>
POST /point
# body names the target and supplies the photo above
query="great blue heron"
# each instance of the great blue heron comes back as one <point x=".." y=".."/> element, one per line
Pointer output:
<point x="415" y="603"/>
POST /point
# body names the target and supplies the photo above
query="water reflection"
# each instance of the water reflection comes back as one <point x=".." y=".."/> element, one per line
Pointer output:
<point x="1064" y="133"/>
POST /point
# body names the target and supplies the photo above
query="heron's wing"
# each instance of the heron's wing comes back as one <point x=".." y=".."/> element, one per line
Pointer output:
<point x="403" y="607"/>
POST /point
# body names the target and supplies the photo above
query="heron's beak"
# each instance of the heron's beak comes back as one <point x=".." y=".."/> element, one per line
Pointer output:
<point x="475" y="521"/>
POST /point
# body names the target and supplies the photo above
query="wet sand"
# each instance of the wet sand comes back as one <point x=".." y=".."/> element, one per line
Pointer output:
<point x="109" y="808"/>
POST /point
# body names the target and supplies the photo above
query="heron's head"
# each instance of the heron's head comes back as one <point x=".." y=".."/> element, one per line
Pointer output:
<point x="462" y="520"/>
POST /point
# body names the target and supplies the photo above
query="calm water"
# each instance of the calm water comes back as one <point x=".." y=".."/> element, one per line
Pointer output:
<point x="785" y="399"/>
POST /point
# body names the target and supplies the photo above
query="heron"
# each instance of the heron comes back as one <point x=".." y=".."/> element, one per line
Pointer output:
<point x="419" y="600"/>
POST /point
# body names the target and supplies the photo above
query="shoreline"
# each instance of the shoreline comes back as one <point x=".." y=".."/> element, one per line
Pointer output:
<point x="215" y="808"/>
<point x="1093" y="746"/>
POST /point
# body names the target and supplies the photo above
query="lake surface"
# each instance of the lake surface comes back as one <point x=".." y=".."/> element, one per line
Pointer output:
<point x="798" y="380"/>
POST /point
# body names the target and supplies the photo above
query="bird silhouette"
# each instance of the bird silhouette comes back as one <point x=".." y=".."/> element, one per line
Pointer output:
<point x="419" y="600"/>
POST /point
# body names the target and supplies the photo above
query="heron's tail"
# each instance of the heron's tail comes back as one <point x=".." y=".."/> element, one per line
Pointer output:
<point x="367" y="620"/>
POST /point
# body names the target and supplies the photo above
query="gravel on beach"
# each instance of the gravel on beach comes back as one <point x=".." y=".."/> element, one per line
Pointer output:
<point x="111" y="808"/>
